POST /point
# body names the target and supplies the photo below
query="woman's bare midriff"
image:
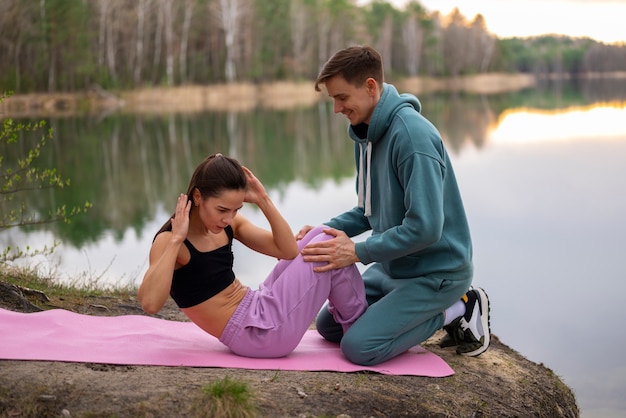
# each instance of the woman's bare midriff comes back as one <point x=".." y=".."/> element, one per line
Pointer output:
<point x="213" y="314"/>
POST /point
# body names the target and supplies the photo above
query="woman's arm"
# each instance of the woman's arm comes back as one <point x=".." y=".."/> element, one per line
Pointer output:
<point x="157" y="281"/>
<point x="280" y="242"/>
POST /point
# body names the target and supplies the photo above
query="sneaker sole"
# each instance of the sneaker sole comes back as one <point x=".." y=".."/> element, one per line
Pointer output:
<point x="485" y="321"/>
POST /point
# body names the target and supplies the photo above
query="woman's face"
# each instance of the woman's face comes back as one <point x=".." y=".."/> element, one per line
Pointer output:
<point x="218" y="212"/>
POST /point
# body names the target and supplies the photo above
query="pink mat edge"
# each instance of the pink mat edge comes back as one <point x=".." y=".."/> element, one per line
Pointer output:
<point x="444" y="370"/>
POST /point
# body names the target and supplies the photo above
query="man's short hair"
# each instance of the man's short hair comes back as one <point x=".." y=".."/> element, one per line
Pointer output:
<point x="355" y="64"/>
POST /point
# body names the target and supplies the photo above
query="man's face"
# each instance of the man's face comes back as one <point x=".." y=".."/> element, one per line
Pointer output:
<point x="355" y="103"/>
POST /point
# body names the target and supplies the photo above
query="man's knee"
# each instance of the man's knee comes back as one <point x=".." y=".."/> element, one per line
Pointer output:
<point x="353" y="348"/>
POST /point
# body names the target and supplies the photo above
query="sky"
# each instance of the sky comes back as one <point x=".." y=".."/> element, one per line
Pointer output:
<point x="601" y="20"/>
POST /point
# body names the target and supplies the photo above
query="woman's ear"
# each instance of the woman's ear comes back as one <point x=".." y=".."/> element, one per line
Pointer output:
<point x="196" y="196"/>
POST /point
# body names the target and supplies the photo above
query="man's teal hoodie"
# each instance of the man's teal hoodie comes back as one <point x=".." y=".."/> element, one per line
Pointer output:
<point x="406" y="181"/>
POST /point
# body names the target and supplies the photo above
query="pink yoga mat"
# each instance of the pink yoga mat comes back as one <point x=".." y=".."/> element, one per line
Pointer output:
<point x="60" y="335"/>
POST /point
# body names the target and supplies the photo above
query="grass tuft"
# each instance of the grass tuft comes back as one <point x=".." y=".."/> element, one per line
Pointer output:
<point x="224" y="399"/>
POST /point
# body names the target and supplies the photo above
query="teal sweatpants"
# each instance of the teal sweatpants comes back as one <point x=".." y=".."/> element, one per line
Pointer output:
<point x="402" y="313"/>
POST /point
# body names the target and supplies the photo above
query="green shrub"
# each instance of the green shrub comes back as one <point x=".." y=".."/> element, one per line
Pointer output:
<point x="20" y="177"/>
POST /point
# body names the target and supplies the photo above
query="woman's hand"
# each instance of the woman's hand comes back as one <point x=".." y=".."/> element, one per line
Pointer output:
<point x="157" y="282"/>
<point x="303" y="231"/>
<point x="256" y="191"/>
<point x="279" y="242"/>
<point x="180" y="221"/>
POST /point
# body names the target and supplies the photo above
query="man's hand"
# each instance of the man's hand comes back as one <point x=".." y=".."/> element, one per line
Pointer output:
<point x="337" y="252"/>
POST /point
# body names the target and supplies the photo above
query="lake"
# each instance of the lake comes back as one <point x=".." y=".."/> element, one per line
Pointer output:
<point x="542" y="173"/>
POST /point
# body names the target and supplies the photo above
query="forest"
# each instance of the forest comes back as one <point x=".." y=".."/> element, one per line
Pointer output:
<point x="74" y="45"/>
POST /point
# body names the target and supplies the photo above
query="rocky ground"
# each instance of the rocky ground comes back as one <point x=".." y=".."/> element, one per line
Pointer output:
<point x="499" y="383"/>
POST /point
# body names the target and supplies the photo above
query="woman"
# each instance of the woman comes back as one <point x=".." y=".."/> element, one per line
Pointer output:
<point x="191" y="259"/>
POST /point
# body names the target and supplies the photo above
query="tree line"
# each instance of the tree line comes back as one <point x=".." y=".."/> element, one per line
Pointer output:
<point x="72" y="45"/>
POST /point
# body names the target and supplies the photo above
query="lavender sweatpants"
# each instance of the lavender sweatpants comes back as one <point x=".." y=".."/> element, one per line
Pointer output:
<point x="271" y="321"/>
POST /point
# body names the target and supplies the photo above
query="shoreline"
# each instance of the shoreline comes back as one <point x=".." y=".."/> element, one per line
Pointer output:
<point x="236" y="97"/>
<point x="246" y="96"/>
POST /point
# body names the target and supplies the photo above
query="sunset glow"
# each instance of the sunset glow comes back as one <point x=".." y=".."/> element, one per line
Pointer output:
<point x="526" y="126"/>
<point x="601" y="20"/>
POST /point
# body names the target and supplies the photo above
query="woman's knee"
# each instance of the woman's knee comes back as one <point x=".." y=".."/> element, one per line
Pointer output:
<point x="311" y="235"/>
<point x="317" y="234"/>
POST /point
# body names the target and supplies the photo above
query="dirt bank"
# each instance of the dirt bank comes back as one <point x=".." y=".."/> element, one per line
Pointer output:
<point x="499" y="383"/>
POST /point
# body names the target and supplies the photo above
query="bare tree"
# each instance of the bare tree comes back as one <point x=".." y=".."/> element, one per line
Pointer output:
<point x="323" y="30"/>
<point x="142" y="6"/>
<point x="110" y="43"/>
<point x="158" y="39"/>
<point x="103" y="9"/>
<point x="169" y="41"/>
<point x="434" y="46"/>
<point x="488" y="43"/>
<point x="230" y="15"/>
<point x="385" y="42"/>
<point x="299" y="17"/>
<point x="412" y="37"/>
<point x="481" y="45"/>
<point x="47" y="48"/>
<point x="335" y="19"/>
<point x="106" y="36"/>
<point x="184" y="39"/>
<point x="455" y="43"/>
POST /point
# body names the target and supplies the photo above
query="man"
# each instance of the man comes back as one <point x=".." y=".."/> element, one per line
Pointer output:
<point x="420" y="248"/>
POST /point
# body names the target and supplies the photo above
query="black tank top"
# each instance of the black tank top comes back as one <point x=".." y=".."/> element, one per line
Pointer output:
<point x="205" y="275"/>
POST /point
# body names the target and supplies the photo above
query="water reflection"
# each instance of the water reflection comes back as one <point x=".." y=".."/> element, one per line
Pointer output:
<point x="523" y="126"/>
<point x="542" y="177"/>
<point x="548" y="228"/>
<point x="127" y="166"/>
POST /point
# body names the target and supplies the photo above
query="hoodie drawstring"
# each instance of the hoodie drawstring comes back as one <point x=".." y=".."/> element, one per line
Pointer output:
<point x="365" y="185"/>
